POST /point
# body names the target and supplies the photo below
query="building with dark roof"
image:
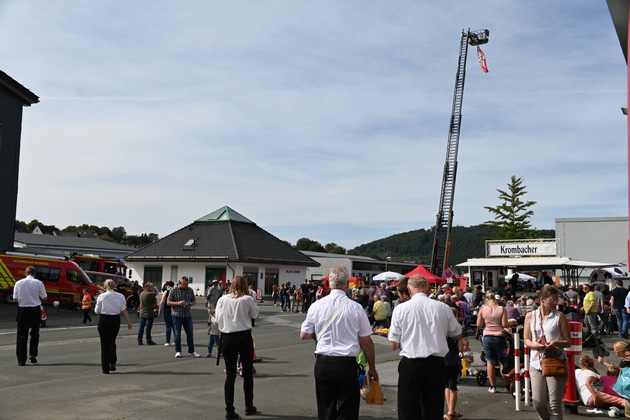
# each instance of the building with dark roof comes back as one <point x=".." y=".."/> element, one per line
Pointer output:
<point x="220" y="245"/>
<point x="68" y="245"/>
<point x="13" y="98"/>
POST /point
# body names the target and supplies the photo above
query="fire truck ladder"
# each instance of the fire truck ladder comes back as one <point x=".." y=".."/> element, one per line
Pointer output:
<point x="444" y="221"/>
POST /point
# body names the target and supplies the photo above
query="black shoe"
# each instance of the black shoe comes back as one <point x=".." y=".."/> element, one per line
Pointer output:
<point x="112" y="367"/>
<point x="21" y="363"/>
<point x="140" y="343"/>
<point x="231" y="416"/>
<point x="251" y="411"/>
<point x="106" y="372"/>
<point x="33" y="360"/>
<point x="151" y="343"/>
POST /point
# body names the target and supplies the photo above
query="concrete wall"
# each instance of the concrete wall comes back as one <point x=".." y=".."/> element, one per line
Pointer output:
<point x="10" y="132"/>
<point x="197" y="271"/>
<point x="599" y="239"/>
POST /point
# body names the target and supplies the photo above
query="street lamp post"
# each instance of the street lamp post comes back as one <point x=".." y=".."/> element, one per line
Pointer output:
<point x="388" y="259"/>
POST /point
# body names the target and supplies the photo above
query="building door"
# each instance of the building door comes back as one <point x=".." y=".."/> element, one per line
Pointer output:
<point x="251" y="275"/>
<point x="153" y="275"/>
<point x="271" y="278"/>
<point x="214" y="273"/>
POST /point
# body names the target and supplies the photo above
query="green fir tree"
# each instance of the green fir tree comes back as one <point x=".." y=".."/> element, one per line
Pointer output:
<point x="511" y="218"/>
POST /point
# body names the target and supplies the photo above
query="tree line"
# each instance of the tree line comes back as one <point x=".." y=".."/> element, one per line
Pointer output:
<point x="118" y="234"/>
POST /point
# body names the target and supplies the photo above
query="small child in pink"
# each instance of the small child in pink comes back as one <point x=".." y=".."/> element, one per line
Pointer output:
<point x="610" y="379"/>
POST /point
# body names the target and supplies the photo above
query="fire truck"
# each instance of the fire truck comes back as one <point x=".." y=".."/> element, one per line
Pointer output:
<point x="63" y="279"/>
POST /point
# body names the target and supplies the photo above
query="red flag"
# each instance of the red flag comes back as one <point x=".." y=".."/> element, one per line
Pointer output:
<point x="482" y="60"/>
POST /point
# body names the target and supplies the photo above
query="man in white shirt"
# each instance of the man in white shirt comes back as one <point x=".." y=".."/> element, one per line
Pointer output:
<point x="419" y="329"/>
<point x="28" y="293"/>
<point x="341" y="328"/>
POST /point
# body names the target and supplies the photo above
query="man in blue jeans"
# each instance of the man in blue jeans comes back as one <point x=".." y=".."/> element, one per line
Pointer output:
<point x="181" y="299"/>
<point x="618" y="297"/>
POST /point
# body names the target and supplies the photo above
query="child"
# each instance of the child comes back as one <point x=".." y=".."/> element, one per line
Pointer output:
<point x="610" y="379"/>
<point x="86" y="305"/>
<point x="469" y="357"/>
<point x="213" y="332"/>
<point x="453" y="368"/>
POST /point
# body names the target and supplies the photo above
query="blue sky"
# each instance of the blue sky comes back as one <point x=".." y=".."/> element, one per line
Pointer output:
<point x="324" y="119"/>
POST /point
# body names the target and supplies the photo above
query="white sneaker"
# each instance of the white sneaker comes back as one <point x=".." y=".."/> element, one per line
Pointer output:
<point x="178" y="355"/>
<point x="167" y="344"/>
<point x="194" y="354"/>
<point x="492" y="389"/>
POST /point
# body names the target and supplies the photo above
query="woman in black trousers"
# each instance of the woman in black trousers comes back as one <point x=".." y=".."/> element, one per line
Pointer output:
<point x="109" y="306"/>
<point x="235" y="313"/>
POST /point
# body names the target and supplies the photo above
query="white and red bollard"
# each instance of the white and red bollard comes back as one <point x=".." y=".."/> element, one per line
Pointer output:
<point x="570" y="391"/>
<point x="517" y="370"/>
<point x="528" y="381"/>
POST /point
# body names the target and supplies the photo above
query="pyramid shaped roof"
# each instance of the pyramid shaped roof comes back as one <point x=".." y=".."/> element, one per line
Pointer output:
<point x="223" y="235"/>
<point x="224" y="214"/>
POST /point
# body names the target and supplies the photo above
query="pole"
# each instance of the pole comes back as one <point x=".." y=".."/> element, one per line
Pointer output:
<point x="570" y="391"/>
<point x="528" y="381"/>
<point x="628" y="130"/>
<point x="517" y="370"/>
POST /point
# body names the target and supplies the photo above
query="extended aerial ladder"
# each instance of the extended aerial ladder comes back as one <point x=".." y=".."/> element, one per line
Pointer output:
<point x="442" y="240"/>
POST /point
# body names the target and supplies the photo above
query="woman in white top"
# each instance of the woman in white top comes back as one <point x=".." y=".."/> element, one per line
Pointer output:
<point x="109" y="306"/>
<point x="234" y="315"/>
<point x="544" y="328"/>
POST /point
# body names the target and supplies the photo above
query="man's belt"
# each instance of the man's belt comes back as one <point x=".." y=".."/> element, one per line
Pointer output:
<point x="336" y="358"/>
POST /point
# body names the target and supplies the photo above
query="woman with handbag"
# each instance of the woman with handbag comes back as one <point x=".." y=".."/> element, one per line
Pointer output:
<point x="546" y="334"/>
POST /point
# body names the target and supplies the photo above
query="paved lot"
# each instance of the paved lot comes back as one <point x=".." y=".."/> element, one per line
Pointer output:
<point x="151" y="384"/>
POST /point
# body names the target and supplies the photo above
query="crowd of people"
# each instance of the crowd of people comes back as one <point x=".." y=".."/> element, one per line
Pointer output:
<point x="425" y="325"/>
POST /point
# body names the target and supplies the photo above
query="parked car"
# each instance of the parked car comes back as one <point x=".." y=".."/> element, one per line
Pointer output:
<point x="601" y="274"/>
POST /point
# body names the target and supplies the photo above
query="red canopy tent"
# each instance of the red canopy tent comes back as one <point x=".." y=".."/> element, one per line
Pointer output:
<point x="432" y="278"/>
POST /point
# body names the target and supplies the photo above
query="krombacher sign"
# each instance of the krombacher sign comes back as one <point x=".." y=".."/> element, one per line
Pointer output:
<point x="543" y="247"/>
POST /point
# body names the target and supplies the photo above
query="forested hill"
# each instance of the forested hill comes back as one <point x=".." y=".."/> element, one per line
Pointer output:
<point x="416" y="245"/>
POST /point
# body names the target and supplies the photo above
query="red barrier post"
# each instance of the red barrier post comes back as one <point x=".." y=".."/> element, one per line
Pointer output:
<point x="570" y="391"/>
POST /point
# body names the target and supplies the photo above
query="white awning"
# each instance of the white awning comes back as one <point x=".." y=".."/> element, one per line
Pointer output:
<point x="543" y="262"/>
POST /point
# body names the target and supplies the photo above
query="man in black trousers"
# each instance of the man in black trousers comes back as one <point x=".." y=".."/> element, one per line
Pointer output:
<point x="28" y="293"/>
<point x="342" y="329"/>
<point x="420" y="327"/>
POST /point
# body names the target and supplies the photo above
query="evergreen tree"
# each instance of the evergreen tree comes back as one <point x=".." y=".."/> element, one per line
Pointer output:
<point x="511" y="218"/>
<point x="333" y="248"/>
<point x="306" y="244"/>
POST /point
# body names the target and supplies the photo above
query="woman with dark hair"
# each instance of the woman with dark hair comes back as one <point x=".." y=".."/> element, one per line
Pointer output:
<point x="546" y="328"/>
<point x="166" y="310"/>
<point x="493" y="319"/>
<point x="234" y="314"/>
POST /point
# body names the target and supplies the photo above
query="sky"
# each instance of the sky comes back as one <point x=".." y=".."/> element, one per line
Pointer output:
<point x="321" y="119"/>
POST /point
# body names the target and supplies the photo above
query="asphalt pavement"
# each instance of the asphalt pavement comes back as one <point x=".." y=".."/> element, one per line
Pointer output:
<point x="151" y="383"/>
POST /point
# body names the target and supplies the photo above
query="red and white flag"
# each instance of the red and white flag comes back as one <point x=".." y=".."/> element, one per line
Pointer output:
<point x="482" y="60"/>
